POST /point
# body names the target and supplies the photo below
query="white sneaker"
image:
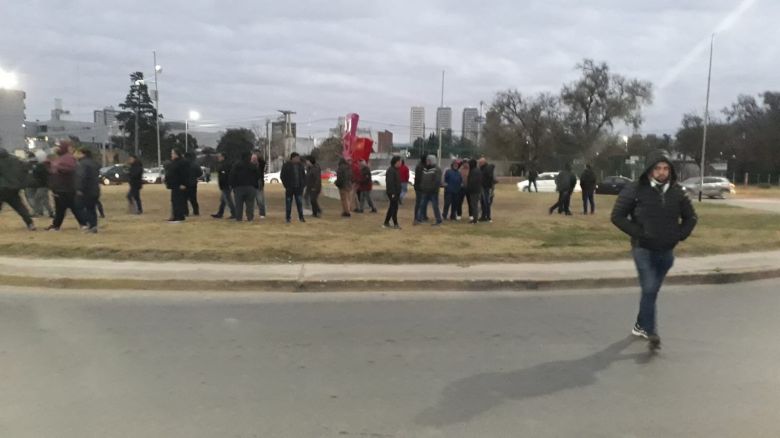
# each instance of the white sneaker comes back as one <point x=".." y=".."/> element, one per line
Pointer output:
<point x="262" y="217"/>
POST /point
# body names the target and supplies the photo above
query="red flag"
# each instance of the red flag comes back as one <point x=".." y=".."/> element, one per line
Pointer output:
<point x="350" y="134"/>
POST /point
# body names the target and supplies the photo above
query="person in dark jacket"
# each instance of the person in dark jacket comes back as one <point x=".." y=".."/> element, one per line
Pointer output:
<point x="464" y="180"/>
<point x="565" y="182"/>
<point x="176" y="178"/>
<point x="474" y="190"/>
<point x="243" y="180"/>
<point x="193" y="173"/>
<point x="418" y="195"/>
<point x="293" y="177"/>
<point x="62" y="173"/>
<point x="393" y="189"/>
<point x="430" y="183"/>
<point x="314" y="185"/>
<point x="259" y="162"/>
<point x="223" y="179"/>
<point x="364" y="188"/>
<point x="452" y="186"/>
<point x="588" y="186"/>
<point x="533" y="174"/>
<point x="87" y="189"/>
<point x="12" y="178"/>
<point x="37" y="192"/>
<point x="344" y="184"/>
<point x="136" y="181"/>
<point x="488" y="189"/>
<point x="655" y="212"/>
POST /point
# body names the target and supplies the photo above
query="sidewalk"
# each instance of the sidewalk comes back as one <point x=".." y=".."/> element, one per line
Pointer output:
<point x="313" y="277"/>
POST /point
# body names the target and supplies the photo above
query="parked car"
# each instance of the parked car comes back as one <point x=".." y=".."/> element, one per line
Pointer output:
<point x="612" y="185"/>
<point x="378" y="177"/>
<point x="273" y="178"/>
<point x="155" y="175"/>
<point x="714" y="187"/>
<point x="327" y="174"/>
<point x="116" y="174"/>
<point x="545" y="182"/>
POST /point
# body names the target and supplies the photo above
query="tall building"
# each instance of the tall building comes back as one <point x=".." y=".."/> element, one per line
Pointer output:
<point x="105" y="116"/>
<point x="443" y="119"/>
<point x="384" y="142"/>
<point x="416" y="123"/>
<point x="12" y="119"/>
<point x="470" y="124"/>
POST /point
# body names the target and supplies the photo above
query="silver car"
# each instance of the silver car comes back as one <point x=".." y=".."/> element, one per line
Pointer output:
<point x="714" y="187"/>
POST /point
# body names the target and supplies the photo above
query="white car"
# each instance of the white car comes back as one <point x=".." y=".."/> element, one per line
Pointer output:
<point x="545" y="182"/>
<point x="155" y="175"/>
<point x="273" y="178"/>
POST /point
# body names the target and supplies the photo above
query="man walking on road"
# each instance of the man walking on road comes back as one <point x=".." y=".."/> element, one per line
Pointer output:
<point x="657" y="215"/>
<point x="588" y="186"/>
<point x="293" y="177"/>
<point x="225" y="197"/>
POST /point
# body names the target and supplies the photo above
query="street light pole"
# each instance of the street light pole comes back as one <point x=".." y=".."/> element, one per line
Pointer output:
<point x="157" y="69"/>
<point x="186" y="134"/>
<point x="706" y="119"/>
<point x="438" y="155"/>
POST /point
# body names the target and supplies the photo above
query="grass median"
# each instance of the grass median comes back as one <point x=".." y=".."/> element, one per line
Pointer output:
<point x="521" y="231"/>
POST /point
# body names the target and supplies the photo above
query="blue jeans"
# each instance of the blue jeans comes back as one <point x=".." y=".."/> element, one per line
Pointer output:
<point x="226" y="199"/>
<point x="652" y="267"/>
<point x="588" y="198"/>
<point x="404" y="189"/>
<point x="451" y="201"/>
<point x="288" y="199"/>
<point x="487" y="203"/>
<point x="433" y="199"/>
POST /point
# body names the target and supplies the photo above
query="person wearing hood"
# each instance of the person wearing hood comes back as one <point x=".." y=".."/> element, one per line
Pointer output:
<point x="430" y="183"/>
<point x="87" y="189"/>
<point x="136" y="182"/>
<point x="393" y="189"/>
<point x="474" y="190"/>
<point x="452" y="186"/>
<point x="655" y="212"/>
<point x="565" y="182"/>
<point x="193" y="173"/>
<point x="12" y="177"/>
<point x="225" y="195"/>
<point x="314" y="185"/>
<point x="588" y="186"/>
<point x="344" y="184"/>
<point x="293" y="177"/>
<point x="62" y="174"/>
<point x="38" y="188"/>
<point x="176" y="176"/>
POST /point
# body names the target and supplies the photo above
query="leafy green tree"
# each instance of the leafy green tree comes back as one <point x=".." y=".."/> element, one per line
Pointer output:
<point x="235" y="142"/>
<point x="330" y="150"/>
<point x="138" y="102"/>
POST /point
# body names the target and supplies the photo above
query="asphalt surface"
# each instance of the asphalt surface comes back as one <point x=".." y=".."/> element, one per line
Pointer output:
<point x="771" y="205"/>
<point x="142" y="364"/>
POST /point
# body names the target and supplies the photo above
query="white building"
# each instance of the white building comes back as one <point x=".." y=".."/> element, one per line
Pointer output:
<point x="12" y="117"/>
<point x="443" y="119"/>
<point x="416" y="123"/>
<point x="58" y="128"/>
<point x="470" y="129"/>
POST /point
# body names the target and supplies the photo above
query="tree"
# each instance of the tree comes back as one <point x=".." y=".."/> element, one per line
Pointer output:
<point x="330" y="150"/>
<point x="531" y="122"/>
<point x="235" y="142"/>
<point x="691" y="135"/>
<point x="171" y="141"/>
<point x="756" y="133"/>
<point x="598" y="99"/>
<point x="138" y="102"/>
<point x="498" y="141"/>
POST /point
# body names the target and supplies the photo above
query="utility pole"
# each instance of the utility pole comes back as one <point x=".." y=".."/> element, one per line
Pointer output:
<point x="706" y="119"/>
<point x="268" y="141"/>
<point x="157" y="69"/>
<point x="288" y="136"/>
<point x="438" y="124"/>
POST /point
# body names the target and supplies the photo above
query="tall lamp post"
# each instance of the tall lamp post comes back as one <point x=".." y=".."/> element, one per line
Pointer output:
<point x="194" y="116"/>
<point x="157" y="69"/>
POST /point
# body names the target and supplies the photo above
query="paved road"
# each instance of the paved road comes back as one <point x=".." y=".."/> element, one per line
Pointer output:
<point x="116" y="364"/>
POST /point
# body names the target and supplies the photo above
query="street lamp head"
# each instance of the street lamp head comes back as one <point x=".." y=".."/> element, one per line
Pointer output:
<point x="194" y="116"/>
<point x="158" y="68"/>
<point x="139" y="82"/>
<point x="8" y="79"/>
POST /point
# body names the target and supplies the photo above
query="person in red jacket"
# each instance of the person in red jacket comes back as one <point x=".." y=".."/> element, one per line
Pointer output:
<point x="403" y="172"/>
<point x="62" y="182"/>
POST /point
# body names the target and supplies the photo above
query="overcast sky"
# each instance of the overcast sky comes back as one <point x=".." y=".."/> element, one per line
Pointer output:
<point x="234" y="61"/>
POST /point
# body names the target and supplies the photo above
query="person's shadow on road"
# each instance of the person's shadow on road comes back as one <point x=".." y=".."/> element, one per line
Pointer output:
<point x="467" y="398"/>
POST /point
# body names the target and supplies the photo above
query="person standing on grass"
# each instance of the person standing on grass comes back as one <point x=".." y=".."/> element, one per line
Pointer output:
<point x="87" y="190"/>
<point x="62" y="173"/>
<point x="588" y="186"/>
<point x="136" y="182"/>
<point x="344" y="184"/>
<point x="193" y="173"/>
<point x="488" y="189"/>
<point x="418" y="194"/>
<point x="474" y="190"/>
<point x="655" y="212"/>
<point x="259" y="162"/>
<point x="293" y="177"/>
<point x="464" y="180"/>
<point x="393" y="190"/>
<point x="452" y="185"/>
<point x="357" y="179"/>
<point x="12" y="177"/>
<point x="429" y="187"/>
<point x="565" y="182"/>
<point x="225" y="195"/>
<point x="314" y="185"/>
<point x="366" y="185"/>
<point x="403" y="172"/>
<point x="244" y="180"/>
<point x="533" y="174"/>
<point x="38" y="190"/>
<point x="176" y="178"/>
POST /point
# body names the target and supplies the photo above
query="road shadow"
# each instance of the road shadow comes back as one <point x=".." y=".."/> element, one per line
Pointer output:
<point x="467" y="398"/>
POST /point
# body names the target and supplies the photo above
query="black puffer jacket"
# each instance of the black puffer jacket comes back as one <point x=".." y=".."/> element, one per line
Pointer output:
<point x="223" y="174"/>
<point x="654" y="220"/>
<point x="135" y="175"/>
<point x="588" y="180"/>
<point x="392" y="182"/>
<point x="243" y="174"/>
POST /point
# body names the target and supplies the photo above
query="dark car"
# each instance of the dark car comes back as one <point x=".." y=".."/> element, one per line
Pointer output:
<point x="612" y="185"/>
<point x="116" y="174"/>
